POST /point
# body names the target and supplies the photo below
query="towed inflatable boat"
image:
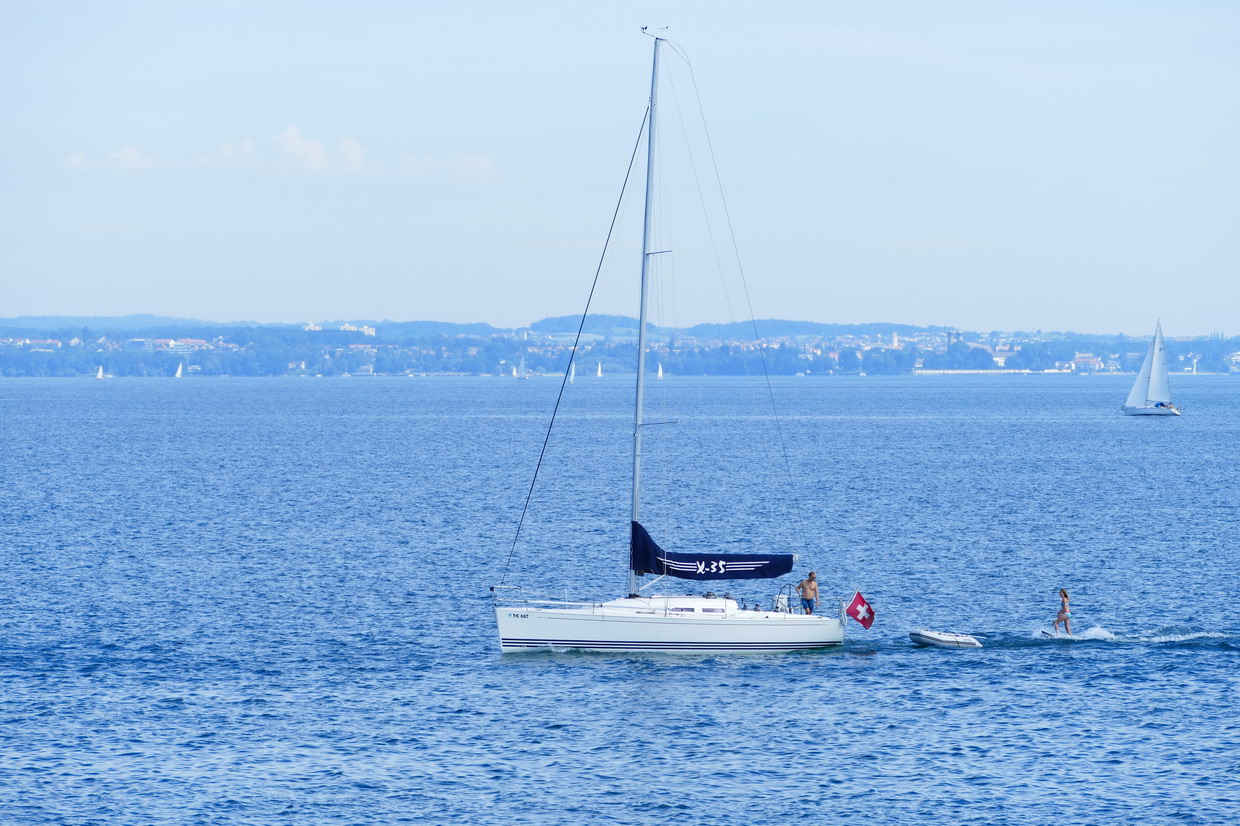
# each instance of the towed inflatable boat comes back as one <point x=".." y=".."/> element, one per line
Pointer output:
<point x="943" y="639"/>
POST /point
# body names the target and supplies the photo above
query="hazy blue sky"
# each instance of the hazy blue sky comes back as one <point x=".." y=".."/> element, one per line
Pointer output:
<point x="988" y="165"/>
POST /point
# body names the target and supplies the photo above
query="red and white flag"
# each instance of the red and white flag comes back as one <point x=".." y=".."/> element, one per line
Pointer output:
<point x="861" y="611"/>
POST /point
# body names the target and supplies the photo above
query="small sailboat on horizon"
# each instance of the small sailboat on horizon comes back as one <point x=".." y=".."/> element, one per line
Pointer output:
<point x="180" y="368"/>
<point x="99" y="374"/>
<point x="1151" y="392"/>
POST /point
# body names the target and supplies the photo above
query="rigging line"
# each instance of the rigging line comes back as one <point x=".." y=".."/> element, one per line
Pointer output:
<point x="749" y="302"/>
<point x="663" y="267"/>
<point x="679" y="50"/>
<point x="714" y="241"/>
<point x="697" y="181"/>
<point x="572" y="355"/>
<point x="710" y="232"/>
<point x="727" y="293"/>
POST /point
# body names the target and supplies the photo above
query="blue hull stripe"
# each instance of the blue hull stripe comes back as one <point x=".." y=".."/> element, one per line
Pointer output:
<point x="629" y="645"/>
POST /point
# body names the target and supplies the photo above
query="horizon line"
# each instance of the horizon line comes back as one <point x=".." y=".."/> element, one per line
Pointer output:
<point x="946" y="328"/>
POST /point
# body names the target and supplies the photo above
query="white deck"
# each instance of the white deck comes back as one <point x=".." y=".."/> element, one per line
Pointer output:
<point x="683" y="624"/>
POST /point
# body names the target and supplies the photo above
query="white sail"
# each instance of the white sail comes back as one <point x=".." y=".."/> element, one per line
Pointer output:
<point x="1159" y="390"/>
<point x="660" y="369"/>
<point x="600" y="369"/>
<point x="99" y="375"/>
<point x="1136" y="396"/>
<point x="179" y="368"/>
<point x="521" y="371"/>
<point x="572" y="372"/>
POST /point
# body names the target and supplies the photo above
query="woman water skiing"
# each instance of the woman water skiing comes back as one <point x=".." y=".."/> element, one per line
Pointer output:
<point x="1065" y="613"/>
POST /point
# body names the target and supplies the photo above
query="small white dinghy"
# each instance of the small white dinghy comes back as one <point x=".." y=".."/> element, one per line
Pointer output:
<point x="943" y="639"/>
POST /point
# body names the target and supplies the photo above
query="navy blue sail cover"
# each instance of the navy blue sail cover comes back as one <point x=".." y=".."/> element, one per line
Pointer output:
<point x="646" y="557"/>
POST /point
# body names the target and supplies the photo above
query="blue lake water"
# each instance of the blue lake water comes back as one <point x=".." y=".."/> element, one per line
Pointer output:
<point x="265" y="601"/>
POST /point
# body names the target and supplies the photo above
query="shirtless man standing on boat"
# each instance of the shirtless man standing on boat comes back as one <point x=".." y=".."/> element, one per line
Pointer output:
<point x="808" y="588"/>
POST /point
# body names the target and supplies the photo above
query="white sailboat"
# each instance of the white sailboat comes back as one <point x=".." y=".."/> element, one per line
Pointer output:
<point x="1151" y="393"/>
<point x="99" y="374"/>
<point x="600" y="370"/>
<point x="572" y="372"/>
<point x="180" y="368"/>
<point x="660" y="369"/>
<point x="663" y="623"/>
<point x="522" y="373"/>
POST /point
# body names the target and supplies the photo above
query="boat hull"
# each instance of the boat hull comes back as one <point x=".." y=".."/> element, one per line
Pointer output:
<point x="662" y="626"/>
<point x="1151" y="411"/>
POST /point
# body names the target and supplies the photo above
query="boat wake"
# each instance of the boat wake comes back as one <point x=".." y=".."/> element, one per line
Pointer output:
<point x="1166" y="636"/>
<point x="1180" y="635"/>
<point x="1170" y="636"/>
<point x="1095" y="634"/>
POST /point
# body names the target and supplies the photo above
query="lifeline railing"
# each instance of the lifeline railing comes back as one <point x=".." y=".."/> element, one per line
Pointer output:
<point x="785" y="601"/>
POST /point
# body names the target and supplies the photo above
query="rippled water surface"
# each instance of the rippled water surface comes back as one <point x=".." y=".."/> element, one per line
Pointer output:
<point x="231" y="601"/>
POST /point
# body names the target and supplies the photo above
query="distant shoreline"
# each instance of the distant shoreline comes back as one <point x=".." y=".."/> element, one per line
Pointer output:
<point x="613" y="377"/>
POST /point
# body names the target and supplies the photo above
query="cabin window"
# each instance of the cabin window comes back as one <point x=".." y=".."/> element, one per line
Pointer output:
<point x="682" y="610"/>
<point x="712" y="610"/>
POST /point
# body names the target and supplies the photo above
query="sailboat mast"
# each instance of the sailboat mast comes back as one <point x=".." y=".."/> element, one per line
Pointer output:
<point x="641" y="321"/>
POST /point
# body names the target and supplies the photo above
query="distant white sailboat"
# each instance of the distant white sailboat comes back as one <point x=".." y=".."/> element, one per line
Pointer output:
<point x="1151" y="393"/>
<point x="99" y="374"/>
<point x="660" y="369"/>
<point x="572" y="372"/>
<point x="600" y="369"/>
<point x="514" y="371"/>
<point x="180" y="367"/>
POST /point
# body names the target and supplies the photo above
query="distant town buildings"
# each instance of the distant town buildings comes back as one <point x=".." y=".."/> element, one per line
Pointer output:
<point x="346" y="327"/>
<point x="359" y="350"/>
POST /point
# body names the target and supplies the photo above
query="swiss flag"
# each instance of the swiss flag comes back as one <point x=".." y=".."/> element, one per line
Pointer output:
<point x="861" y="611"/>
